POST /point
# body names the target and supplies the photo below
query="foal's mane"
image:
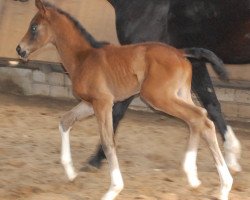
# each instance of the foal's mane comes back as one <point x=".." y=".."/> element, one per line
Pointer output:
<point x="94" y="43"/>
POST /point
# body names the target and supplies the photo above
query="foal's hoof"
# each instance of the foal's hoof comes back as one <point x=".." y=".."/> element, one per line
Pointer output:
<point x="235" y="168"/>
<point x="195" y="184"/>
<point x="72" y="177"/>
<point x="70" y="172"/>
<point x="232" y="163"/>
<point x="232" y="148"/>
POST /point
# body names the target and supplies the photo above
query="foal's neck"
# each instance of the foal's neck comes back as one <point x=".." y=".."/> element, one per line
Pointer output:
<point x="71" y="45"/>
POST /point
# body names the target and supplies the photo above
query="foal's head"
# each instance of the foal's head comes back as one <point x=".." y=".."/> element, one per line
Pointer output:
<point x="38" y="34"/>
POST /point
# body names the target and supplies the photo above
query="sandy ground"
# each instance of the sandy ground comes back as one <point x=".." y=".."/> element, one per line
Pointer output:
<point x="150" y="150"/>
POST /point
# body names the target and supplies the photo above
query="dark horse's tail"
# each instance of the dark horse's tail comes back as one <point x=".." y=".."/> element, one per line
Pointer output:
<point x="216" y="62"/>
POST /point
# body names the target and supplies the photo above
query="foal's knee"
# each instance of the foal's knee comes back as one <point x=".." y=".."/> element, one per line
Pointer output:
<point x="66" y="122"/>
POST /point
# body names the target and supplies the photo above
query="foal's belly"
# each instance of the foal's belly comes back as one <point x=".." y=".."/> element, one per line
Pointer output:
<point x="121" y="93"/>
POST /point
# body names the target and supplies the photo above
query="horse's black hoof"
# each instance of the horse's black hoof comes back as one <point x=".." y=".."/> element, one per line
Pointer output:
<point x="95" y="162"/>
<point x="92" y="165"/>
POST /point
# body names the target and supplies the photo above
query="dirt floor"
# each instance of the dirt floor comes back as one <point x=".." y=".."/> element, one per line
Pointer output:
<point x="150" y="150"/>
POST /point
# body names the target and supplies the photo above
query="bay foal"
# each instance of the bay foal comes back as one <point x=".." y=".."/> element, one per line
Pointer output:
<point x="101" y="76"/>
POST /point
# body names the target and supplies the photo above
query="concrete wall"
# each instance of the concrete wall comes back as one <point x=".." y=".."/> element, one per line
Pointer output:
<point x="235" y="101"/>
<point x="36" y="82"/>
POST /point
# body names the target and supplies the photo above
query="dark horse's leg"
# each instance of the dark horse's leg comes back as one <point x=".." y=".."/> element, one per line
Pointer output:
<point x="119" y="110"/>
<point x="202" y="86"/>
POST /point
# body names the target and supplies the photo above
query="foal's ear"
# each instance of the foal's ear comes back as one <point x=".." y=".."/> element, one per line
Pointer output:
<point x="41" y="7"/>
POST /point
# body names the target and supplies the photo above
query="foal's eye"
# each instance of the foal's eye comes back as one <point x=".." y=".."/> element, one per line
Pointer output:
<point x="34" y="28"/>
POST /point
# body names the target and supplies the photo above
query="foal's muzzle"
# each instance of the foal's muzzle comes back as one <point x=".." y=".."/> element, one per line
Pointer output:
<point x="21" y="53"/>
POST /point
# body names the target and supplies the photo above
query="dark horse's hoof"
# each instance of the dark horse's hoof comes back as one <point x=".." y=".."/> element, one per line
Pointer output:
<point x="93" y="164"/>
<point x="95" y="161"/>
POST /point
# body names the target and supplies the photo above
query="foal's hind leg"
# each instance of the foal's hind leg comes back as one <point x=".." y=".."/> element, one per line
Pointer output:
<point x="79" y="112"/>
<point x="189" y="164"/>
<point x="202" y="85"/>
<point x="198" y="122"/>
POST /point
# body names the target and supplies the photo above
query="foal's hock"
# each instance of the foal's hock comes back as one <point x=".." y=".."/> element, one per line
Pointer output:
<point x="161" y="75"/>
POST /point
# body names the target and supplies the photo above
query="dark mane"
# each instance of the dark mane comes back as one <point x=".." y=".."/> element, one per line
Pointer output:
<point x="94" y="43"/>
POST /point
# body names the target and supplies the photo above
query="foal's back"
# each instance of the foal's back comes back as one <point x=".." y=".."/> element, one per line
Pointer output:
<point x="121" y="70"/>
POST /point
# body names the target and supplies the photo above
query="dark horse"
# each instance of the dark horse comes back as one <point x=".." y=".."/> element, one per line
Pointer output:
<point x="219" y="25"/>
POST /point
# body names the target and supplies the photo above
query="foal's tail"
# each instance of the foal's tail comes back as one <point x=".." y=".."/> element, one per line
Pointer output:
<point x="216" y="62"/>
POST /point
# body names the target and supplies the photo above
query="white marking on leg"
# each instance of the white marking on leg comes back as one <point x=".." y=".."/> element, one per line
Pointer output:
<point x="226" y="180"/>
<point x="116" y="185"/>
<point x="190" y="168"/>
<point x="232" y="150"/>
<point x="66" y="154"/>
<point x="223" y="171"/>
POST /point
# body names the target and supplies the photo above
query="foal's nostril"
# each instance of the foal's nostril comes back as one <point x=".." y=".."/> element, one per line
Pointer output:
<point x="22" y="53"/>
<point x="18" y="49"/>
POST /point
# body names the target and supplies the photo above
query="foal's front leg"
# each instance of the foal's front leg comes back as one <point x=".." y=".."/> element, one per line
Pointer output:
<point x="79" y="112"/>
<point x="119" y="110"/>
<point x="103" y="112"/>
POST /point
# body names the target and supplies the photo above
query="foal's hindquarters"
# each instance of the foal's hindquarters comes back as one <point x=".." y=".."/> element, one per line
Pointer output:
<point x="170" y="91"/>
<point x="164" y="83"/>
